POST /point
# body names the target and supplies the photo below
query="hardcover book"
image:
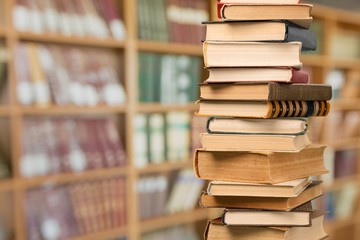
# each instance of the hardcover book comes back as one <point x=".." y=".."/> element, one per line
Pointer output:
<point x="266" y="92"/>
<point x="298" y="14"/>
<point x="247" y="31"/>
<point x="265" y="203"/>
<point x="259" y="167"/>
<point x="252" y="54"/>
<point x="256" y="109"/>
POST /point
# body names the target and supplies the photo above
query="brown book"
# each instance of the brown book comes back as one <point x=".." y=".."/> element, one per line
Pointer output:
<point x="256" y="74"/>
<point x="265" y="203"/>
<point x="252" y="54"/>
<point x="259" y="167"/>
<point x="262" y="109"/>
<point x="296" y="13"/>
<point x="285" y="189"/>
<point x="216" y="230"/>
<point x="299" y="216"/>
<point x="266" y="92"/>
<point x="254" y="142"/>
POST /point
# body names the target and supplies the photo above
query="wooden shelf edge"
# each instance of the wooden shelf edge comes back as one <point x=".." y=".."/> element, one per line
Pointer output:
<point x="174" y="219"/>
<point x="157" y="107"/>
<point x="71" y="177"/>
<point x="6" y="185"/>
<point x="164" y="167"/>
<point x="4" y="111"/>
<point x="340" y="182"/>
<point x="169" y="48"/>
<point x="58" y="110"/>
<point x="107" y="234"/>
<point x="335" y="225"/>
<point x="2" y="32"/>
<point x="342" y="144"/>
<point x="61" y="39"/>
<point x="345" y="104"/>
<point x="335" y="14"/>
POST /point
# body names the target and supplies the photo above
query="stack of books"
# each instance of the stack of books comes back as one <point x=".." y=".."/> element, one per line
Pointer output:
<point x="256" y="151"/>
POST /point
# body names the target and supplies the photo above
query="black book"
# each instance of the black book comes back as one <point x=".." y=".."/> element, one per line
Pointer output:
<point x="260" y="31"/>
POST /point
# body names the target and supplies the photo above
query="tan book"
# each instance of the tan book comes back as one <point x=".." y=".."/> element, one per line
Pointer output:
<point x="296" y="13"/>
<point x="251" y="54"/>
<point x="266" y="92"/>
<point x="256" y="74"/>
<point x="265" y="203"/>
<point x="285" y="189"/>
<point x="216" y="230"/>
<point x="280" y="126"/>
<point x="300" y="216"/>
<point x="254" y="142"/>
<point x="262" y="109"/>
<point x="259" y="167"/>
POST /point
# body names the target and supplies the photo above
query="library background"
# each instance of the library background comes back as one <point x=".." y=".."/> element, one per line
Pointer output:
<point x="97" y="125"/>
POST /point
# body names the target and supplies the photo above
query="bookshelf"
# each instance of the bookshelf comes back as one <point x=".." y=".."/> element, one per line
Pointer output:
<point x="13" y="112"/>
<point x="333" y="22"/>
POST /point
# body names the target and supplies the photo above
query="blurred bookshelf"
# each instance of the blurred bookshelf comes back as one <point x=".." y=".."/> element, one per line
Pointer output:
<point x="337" y="63"/>
<point x="32" y="40"/>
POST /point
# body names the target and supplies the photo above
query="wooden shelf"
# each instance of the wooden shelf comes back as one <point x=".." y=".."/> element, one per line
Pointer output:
<point x="71" y="177"/>
<point x="343" y="144"/>
<point x="157" y="107"/>
<point x="6" y="185"/>
<point x="4" y="111"/>
<point x="338" y="15"/>
<point x="174" y="219"/>
<point x="340" y="182"/>
<point x="108" y="234"/>
<point x="2" y="33"/>
<point x="170" y="48"/>
<point x="71" y="110"/>
<point x="164" y="167"/>
<point x="335" y="225"/>
<point x="345" y="104"/>
<point x="314" y="60"/>
<point x="61" y="39"/>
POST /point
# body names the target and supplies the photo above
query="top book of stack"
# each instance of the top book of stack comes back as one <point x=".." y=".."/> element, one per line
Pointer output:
<point x="245" y="10"/>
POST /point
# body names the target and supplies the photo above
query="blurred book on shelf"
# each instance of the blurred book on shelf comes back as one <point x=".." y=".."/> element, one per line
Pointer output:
<point x="345" y="44"/>
<point x="161" y="194"/>
<point x="63" y="145"/>
<point x="75" y="209"/>
<point x="76" y="18"/>
<point x="51" y="74"/>
<point x="174" y="233"/>
<point x="160" y="138"/>
<point x="168" y="79"/>
<point x="4" y="56"/>
<point x="176" y="21"/>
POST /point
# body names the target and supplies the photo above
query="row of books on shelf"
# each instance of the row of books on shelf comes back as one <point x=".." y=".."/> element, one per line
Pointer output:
<point x="169" y="79"/>
<point x="172" y="20"/>
<point x="161" y="137"/>
<point x="61" y="75"/>
<point x="75" y="209"/>
<point x="60" y="145"/>
<point x="174" y="233"/>
<point x="161" y="195"/>
<point x="95" y="18"/>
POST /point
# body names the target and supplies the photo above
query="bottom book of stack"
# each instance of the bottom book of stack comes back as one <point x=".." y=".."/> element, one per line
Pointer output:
<point x="263" y="211"/>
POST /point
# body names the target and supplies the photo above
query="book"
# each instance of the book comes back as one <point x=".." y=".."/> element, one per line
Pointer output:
<point x="216" y="230"/>
<point x="298" y="14"/>
<point x="265" y="203"/>
<point x="251" y="54"/>
<point x="256" y="109"/>
<point x="256" y="74"/>
<point x="285" y="189"/>
<point x="279" y="126"/>
<point x="259" y="167"/>
<point x="254" y="142"/>
<point x="266" y="92"/>
<point x="156" y="137"/>
<point x="300" y="216"/>
<point x="277" y="31"/>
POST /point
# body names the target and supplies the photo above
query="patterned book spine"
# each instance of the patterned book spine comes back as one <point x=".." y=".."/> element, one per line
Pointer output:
<point x="298" y="109"/>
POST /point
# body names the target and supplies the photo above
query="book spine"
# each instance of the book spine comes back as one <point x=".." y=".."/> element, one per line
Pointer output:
<point x="290" y="92"/>
<point x="298" y="109"/>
